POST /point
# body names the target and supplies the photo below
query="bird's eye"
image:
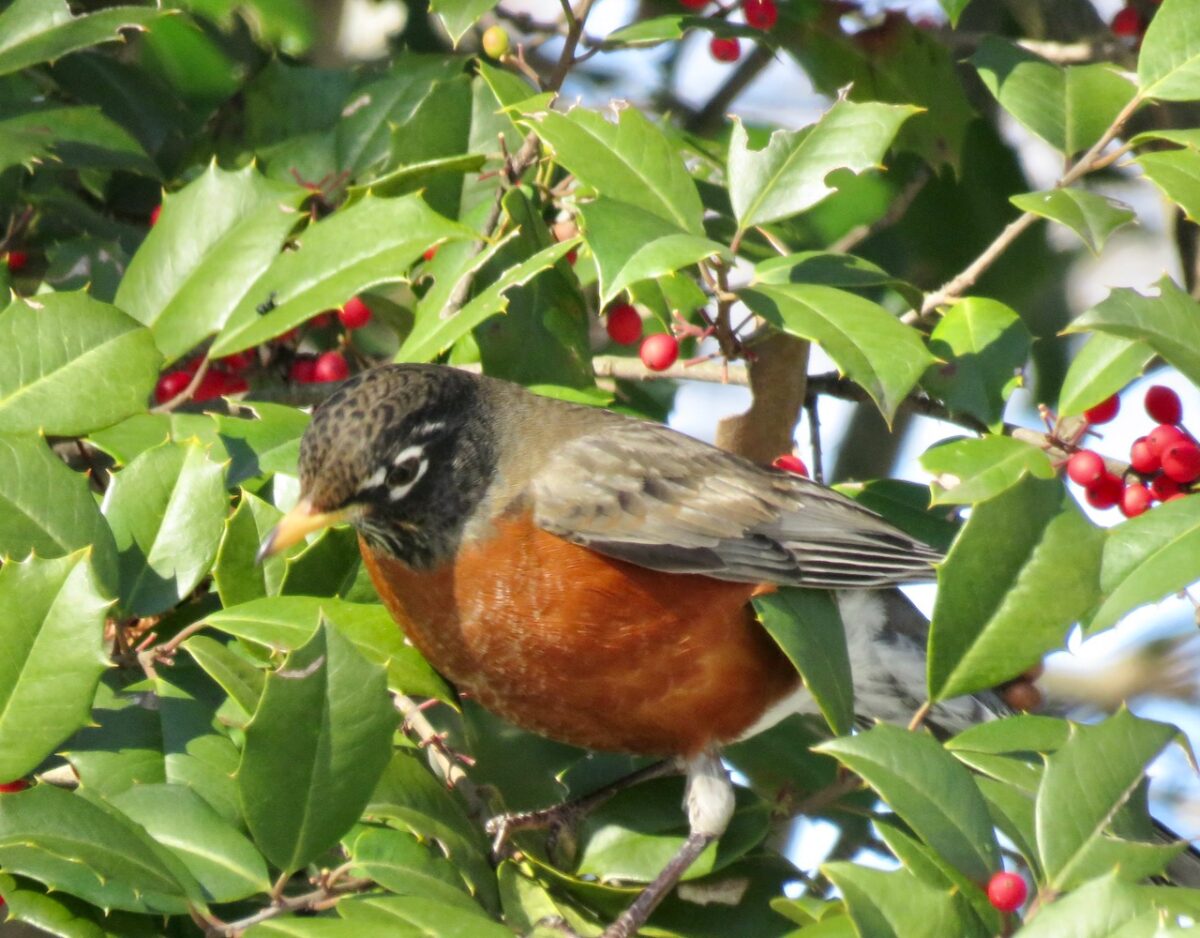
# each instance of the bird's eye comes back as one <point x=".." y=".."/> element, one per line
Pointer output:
<point x="405" y="472"/>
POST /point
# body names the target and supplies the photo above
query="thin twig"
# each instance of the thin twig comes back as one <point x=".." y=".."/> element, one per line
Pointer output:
<point x="900" y="204"/>
<point x="283" y="904"/>
<point x="811" y="405"/>
<point x="446" y="761"/>
<point x="965" y="280"/>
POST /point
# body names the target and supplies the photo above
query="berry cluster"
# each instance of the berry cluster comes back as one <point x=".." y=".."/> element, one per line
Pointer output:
<point x="760" y="14"/>
<point x="229" y="375"/>
<point x="1163" y="465"/>
<point x="658" y="351"/>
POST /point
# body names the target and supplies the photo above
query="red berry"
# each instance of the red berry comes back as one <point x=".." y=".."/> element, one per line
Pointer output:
<point x="1181" y="461"/>
<point x="1085" y="467"/>
<point x="1128" y="22"/>
<point x="355" y="314"/>
<point x="17" y="260"/>
<point x="154" y="213"/>
<point x="303" y="370"/>
<point x="1163" y="404"/>
<point x="238" y="361"/>
<point x="1105" y="491"/>
<point x="1164" y="487"/>
<point x="430" y="253"/>
<point x="171" y="385"/>
<point x="1142" y="458"/>
<point x="694" y="4"/>
<point x="1104" y="411"/>
<point x="659" y="351"/>
<point x="572" y="256"/>
<point x="331" y="367"/>
<point x="8" y="788"/>
<point x="789" y="463"/>
<point x="761" y="14"/>
<point x="321" y="320"/>
<point x="1006" y="891"/>
<point x="1135" y="499"/>
<point x="1162" y="437"/>
<point x="217" y="383"/>
<point x="623" y="323"/>
<point x="725" y="48"/>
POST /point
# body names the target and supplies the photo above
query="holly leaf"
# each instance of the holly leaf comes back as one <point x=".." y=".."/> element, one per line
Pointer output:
<point x="973" y="470"/>
<point x="1105" y="365"/>
<point x="76" y="364"/>
<point x="1093" y="217"/>
<point x="1169" y="58"/>
<point x="788" y="175"/>
<point x="1177" y="174"/>
<point x="865" y="341"/>
<point x="300" y="792"/>
<point x="52" y="629"/>
<point x="34" y="31"/>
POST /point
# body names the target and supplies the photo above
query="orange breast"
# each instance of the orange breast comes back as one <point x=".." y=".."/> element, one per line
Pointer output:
<point x="588" y="650"/>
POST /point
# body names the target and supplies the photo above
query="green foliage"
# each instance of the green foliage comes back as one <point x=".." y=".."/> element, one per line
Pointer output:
<point x="206" y="735"/>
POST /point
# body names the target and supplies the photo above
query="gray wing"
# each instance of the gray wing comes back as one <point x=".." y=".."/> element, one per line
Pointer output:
<point x="643" y="493"/>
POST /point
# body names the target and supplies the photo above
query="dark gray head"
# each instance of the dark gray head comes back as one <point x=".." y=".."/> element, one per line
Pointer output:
<point x="405" y="453"/>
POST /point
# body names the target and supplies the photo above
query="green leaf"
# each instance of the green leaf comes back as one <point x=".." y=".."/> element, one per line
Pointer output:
<point x="77" y="846"/>
<point x="1169" y="59"/>
<point x="269" y="443"/>
<point x="983" y="346"/>
<point x="1095" y="910"/>
<point x="47" y="509"/>
<point x="629" y="159"/>
<point x="287" y="622"/>
<point x="402" y="864"/>
<point x="844" y="271"/>
<point x="416" y="176"/>
<point x="788" y="175"/>
<point x="460" y="15"/>
<point x="1105" y="365"/>
<point x="166" y="510"/>
<point x="928" y="789"/>
<point x="220" y="857"/>
<point x="1024" y="732"/>
<point x="631" y="245"/>
<point x="1070" y="108"/>
<point x="973" y="470"/>
<point x="301" y="791"/>
<point x="864" y="340"/>
<point x="1168" y="323"/>
<point x="213" y="241"/>
<point x="418" y="915"/>
<point x="373" y="241"/>
<point x="1146" y="559"/>
<point x="896" y="904"/>
<point x="1024" y="569"/>
<point x="234" y="672"/>
<point x="77" y="137"/>
<point x="1177" y="174"/>
<point x="659" y="29"/>
<point x="34" y="31"/>
<point x="1112" y="757"/>
<point x="238" y="575"/>
<point x="432" y="335"/>
<point x="52" y="632"/>
<point x="806" y="624"/>
<point x="61" y="914"/>
<point x="954" y="9"/>
<point x="59" y="344"/>
<point x="907" y="506"/>
<point x="128" y="439"/>
<point x="1091" y="216"/>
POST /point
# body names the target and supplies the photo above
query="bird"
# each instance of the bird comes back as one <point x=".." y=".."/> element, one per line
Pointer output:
<point x="589" y="576"/>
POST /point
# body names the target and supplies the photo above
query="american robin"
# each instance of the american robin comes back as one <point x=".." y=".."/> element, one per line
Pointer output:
<point x="588" y="576"/>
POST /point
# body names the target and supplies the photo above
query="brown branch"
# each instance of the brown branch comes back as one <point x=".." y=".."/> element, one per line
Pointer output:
<point x="447" y="762"/>
<point x="953" y="289"/>
<point x="309" y="901"/>
<point x="712" y="114"/>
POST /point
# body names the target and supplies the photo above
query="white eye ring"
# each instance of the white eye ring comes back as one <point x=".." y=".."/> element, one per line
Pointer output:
<point x="408" y="454"/>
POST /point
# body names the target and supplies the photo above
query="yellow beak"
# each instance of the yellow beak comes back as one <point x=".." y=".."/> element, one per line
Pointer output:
<point x="296" y="525"/>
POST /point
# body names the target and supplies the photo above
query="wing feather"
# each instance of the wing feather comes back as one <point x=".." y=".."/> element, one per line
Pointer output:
<point x="644" y="493"/>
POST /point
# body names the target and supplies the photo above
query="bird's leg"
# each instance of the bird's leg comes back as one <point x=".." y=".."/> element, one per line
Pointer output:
<point x="567" y="814"/>
<point x="710" y="803"/>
